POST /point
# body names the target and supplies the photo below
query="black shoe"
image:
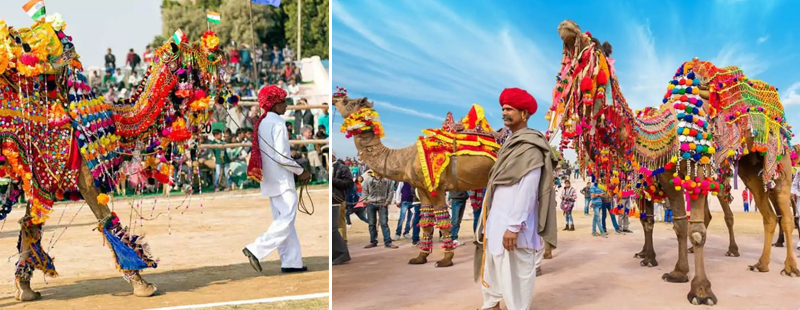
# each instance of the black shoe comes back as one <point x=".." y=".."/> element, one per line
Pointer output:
<point x="371" y="245"/>
<point x="628" y="231"/>
<point x="253" y="260"/>
<point x="291" y="270"/>
<point x="417" y="243"/>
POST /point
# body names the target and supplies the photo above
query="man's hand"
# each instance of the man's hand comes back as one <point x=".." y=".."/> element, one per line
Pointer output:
<point x="304" y="177"/>
<point x="510" y="240"/>
<point x="397" y="204"/>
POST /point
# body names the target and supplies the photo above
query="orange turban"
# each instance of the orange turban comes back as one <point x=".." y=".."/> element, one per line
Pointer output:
<point x="518" y="99"/>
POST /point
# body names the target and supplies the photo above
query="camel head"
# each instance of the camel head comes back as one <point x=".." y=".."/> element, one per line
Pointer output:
<point x="347" y="106"/>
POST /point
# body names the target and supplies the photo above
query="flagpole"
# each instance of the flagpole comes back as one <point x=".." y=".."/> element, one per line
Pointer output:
<point x="299" y="29"/>
<point x="253" y="48"/>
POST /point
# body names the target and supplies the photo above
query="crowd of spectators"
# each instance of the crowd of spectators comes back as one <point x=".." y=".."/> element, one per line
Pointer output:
<point x="225" y="168"/>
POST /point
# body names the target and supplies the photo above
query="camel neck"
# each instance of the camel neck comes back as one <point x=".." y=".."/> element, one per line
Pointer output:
<point x="378" y="157"/>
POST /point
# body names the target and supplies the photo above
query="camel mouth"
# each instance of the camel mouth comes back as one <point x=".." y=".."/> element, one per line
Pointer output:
<point x="569" y="31"/>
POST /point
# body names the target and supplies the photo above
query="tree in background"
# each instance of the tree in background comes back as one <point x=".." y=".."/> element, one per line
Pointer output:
<point x="274" y="26"/>
<point x="314" y="21"/>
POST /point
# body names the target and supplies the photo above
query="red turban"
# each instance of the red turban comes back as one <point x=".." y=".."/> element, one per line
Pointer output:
<point x="518" y="99"/>
<point x="269" y="96"/>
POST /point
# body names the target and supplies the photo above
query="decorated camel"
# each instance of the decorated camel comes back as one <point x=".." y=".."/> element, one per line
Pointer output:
<point x="60" y="139"/>
<point x="713" y="123"/>
<point x="456" y="157"/>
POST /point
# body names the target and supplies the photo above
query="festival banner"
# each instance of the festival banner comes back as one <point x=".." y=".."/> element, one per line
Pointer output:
<point x="212" y="17"/>
<point x="35" y="9"/>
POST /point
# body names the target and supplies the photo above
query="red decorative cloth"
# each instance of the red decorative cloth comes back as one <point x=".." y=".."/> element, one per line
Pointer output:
<point x="518" y="99"/>
<point x="268" y="97"/>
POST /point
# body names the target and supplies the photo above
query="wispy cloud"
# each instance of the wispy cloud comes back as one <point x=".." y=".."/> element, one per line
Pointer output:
<point x="420" y="55"/>
<point x="645" y="80"/>
<point x="792" y="95"/>
<point x="408" y="111"/>
<point x="731" y="55"/>
<point x="763" y="39"/>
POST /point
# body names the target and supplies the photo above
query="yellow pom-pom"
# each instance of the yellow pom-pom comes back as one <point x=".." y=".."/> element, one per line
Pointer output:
<point x="103" y="199"/>
<point x="712" y="150"/>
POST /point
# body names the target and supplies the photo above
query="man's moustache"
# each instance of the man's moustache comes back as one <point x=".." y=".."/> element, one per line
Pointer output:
<point x="507" y="118"/>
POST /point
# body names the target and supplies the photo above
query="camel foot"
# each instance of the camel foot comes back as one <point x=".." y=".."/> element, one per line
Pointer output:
<point x="759" y="267"/>
<point x="648" y="262"/>
<point x="675" y="277"/>
<point x="702" y="295"/>
<point x="732" y="253"/>
<point x="790" y="271"/>
<point x="25" y="293"/>
<point x="447" y="261"/>
<point x="142" y="288"/>
<point x="548" y="254"/>
<point x="778" y="244"/>
<point x="419" y="260"/>
<point x="639" y="255"/>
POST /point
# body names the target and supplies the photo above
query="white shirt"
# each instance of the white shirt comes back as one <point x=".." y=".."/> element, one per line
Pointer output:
<point x="236" y="119"/>
<point x="276" y="170"/>
<point x="293" y="89"/>
<point x="515" y="208"/>
<point x="796" y="184"/>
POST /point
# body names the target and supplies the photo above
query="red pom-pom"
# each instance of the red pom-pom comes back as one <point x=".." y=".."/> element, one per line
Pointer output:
<point x="602" y="79"/>
<point x="586" y="83"/>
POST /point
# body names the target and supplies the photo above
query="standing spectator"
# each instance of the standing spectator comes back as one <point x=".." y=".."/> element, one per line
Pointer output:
<point x="147" y="55"/>
<point x="233" y="57"/>
<point x="658" y="212"/>
<point x="246" y="60"/>
<point x="667" y="211"/>
<point x="110" y="62"/>
<point x="404" y="197"/>
<point x="277" y="59"/>
<point x="377" y="196"/>
<point x="597" y="206"/>
<point x="221" y="161"/>
<point x="303" y="117"/>
<point x="568" y="198"/>
<point x="622" y="216"/>
<point x="342" y="184"/>
<point x="288" y="53"/>
<point x="476" y="200"/>
<point x="585" y="193"/>
<point x="323" y="120"/>
<point x="219" y="114"/>
<point x="458" y="201"/>
<point x="607" y="212"/>
<point x="132" y="60"/>
<point x="746" y="200"/>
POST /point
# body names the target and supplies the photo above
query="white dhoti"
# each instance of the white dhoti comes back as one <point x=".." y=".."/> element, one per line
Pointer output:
<point x="511" y="278"/>
<point x="281" y="234"/>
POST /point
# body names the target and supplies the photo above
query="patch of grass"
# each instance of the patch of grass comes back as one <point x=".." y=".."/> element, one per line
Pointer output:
<point x="308" y="304"/>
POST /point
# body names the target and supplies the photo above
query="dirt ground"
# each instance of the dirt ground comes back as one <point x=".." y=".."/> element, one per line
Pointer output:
<point x="200" y="261"/>
<point x="585" y="273"/>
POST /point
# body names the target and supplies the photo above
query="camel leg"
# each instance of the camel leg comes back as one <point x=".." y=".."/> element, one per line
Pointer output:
<point x="641" y="254"/>
<point x="700" y="293"/>
<point x="778" y="243"/>
<point x="29" y="243"/>
<point x="141" y="287"/>
<point x="681" y="271"/>
<point x="649" y="257"/>
<point x="733" y="249"/>
<point x="426" y="223"/>
<point x="781" y="196"/>
<point x="706" y="222"/>
<point x="753" y="181"/>
<point x="442" y="214"/>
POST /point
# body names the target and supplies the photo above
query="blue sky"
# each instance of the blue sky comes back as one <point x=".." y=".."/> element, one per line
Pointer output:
<point x="419" y="59"/>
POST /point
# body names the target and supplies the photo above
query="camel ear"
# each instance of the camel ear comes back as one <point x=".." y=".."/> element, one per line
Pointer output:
<point x="607" y="48"/>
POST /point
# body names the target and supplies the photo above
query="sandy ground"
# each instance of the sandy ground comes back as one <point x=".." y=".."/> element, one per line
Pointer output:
<point x="585" y="273"/>
<point x="200" y="261"/>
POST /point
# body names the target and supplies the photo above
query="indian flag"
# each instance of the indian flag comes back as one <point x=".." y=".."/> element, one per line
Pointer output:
<point x="178" y="36"/>
<point x="212" y="17"/>
<point x="35" y="9"/>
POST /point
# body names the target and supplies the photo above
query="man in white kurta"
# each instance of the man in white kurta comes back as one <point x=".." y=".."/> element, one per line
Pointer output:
<point x="511" y="275"/>
<point x="277" y="183"/>
<point x="518" y="217"/>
